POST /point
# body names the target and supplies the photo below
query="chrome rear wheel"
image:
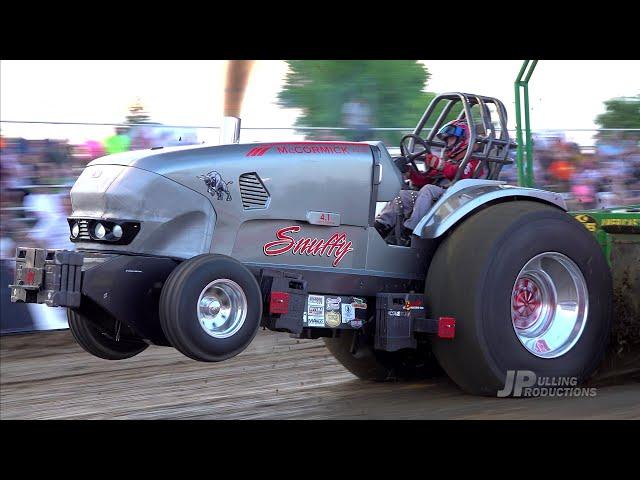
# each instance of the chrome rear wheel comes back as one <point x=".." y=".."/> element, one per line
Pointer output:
<point x="549" y="305"/>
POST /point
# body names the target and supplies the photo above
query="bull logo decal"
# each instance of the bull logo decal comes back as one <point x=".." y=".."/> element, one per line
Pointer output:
<point x="216" y="185"/>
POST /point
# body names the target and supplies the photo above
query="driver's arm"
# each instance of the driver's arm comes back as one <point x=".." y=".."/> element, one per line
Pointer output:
<point x="418" y="179"/>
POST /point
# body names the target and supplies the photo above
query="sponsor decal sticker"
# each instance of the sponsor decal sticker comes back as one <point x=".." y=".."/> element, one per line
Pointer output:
<point x="315" y="311"/>
<point x="315" y="321"/>
<point x="337" y="245"/>
<point x="359" y="303"/>
<point x="356" y="323"/>
<point x="332" y="319"/>
<point x="317" y="300"/>
<point x="541" y="346"/>
<point x="415" y="305"/>
<point x="398" y="313"/>
<point x="348" y="313"/>
<point x="216" y="186"/>
<point x="333" y="303"/>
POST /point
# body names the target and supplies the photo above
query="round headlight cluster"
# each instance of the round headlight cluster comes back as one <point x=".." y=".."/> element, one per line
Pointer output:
<point x="116" y="232"/>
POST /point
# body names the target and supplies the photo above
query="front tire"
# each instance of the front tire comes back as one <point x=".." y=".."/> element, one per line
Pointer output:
<point x="99" y="343"/>
<point x="210" y="307"/>
<point x="510" y="274"/>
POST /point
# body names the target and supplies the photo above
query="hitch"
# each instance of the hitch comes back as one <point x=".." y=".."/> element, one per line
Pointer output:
<point x="47" y="276"/>
<point x="399" y="316"/>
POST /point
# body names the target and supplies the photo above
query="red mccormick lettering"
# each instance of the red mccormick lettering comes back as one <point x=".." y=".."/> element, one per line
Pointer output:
<point x="337" y="245"/>
<point x="301" y="148"/>
<point x="293" y="149"/>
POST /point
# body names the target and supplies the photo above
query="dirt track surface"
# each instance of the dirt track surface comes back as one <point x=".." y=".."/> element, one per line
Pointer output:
<point x="48" y="376"/>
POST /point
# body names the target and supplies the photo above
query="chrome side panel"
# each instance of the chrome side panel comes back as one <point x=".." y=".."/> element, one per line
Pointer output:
<point x="467" y="195"/>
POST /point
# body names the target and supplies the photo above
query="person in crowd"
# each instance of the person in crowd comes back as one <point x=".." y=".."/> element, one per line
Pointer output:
<point x="357" y="116"/>
<point x="120" y="142"/>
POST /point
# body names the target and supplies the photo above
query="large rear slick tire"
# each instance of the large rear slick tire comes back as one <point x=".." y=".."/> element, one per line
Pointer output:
<point x="210" y="307"/>
<point x="98" y="342"/>
<point x="379" y="366"/>
<point x="530" y="290"/>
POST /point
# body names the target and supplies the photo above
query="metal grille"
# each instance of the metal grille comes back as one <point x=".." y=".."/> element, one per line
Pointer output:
<point x="84" y="230"/>
<point x="254" y="193"/>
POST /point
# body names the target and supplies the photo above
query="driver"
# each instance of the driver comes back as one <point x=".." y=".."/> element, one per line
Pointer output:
<point x="428" y="186"/>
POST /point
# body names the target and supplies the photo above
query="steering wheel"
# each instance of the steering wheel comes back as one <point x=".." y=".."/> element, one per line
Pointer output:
<point x="411" y="157"/>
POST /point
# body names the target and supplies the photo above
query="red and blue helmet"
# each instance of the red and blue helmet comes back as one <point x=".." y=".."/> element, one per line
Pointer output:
<point x="458" y="129"/>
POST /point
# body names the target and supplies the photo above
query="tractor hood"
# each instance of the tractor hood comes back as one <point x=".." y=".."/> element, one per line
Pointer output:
<point x="196" y="199"/>
<point x="274" y="176"/>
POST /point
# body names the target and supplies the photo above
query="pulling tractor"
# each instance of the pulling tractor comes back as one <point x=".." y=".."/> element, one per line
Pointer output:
<point x="195" y="248"/>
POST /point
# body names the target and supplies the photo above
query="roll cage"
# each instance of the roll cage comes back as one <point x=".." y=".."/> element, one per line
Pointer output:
<point x="495" y="148"/>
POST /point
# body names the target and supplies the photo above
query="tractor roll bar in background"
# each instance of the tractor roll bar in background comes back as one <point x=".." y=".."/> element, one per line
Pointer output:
<point x="525" y="176"/>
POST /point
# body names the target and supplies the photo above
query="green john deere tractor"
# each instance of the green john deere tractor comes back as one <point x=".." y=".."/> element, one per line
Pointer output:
<point x="616" y="229"/>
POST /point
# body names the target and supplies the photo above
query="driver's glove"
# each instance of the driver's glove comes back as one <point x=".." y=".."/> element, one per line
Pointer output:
<point x="402" y="163"/>
<point x="434" y="161"/>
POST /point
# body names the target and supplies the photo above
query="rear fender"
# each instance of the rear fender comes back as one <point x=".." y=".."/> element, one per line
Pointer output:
<point x="465" y="196"/>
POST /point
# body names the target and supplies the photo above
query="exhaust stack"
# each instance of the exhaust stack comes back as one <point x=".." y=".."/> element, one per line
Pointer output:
<point x="238" y="72"/>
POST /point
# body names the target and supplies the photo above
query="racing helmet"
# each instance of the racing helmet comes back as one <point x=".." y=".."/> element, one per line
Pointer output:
<point x="458" y="129"/>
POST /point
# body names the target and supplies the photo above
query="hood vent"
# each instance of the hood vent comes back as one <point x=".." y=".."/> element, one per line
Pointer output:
<point x="254" y="193"/>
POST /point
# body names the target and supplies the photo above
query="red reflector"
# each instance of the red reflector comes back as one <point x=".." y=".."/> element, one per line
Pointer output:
<point x="446" y="327"/>
<point x="279" y="302"/>
<point x="30" y="277"/>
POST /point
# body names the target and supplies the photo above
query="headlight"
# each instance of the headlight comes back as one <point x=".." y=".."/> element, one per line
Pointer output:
<point x="75" y="230"/>
<point x="116" y="231"/>
<point x="99" y="231"/>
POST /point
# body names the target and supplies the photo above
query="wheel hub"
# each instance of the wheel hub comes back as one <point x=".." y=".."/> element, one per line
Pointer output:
<point x="549" y="305"/>
<point x="222" y="308"/>
<point x="526" y="304"/>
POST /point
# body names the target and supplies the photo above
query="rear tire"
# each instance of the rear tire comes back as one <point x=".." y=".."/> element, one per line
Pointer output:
<point x="210" y="307"/>
<point x="380" y="366"/>
<point x="473" y="278"/>
<point x="97" y="343"/>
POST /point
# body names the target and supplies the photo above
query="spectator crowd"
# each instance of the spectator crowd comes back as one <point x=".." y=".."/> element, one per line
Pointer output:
<point x="605" y="175"/>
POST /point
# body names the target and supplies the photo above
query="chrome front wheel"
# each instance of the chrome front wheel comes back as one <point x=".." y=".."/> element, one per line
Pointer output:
<point x="222" y="308"/>
<point x="210" y="307"/>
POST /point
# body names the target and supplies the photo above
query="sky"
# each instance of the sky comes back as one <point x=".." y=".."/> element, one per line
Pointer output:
<point x="563" y="94"/>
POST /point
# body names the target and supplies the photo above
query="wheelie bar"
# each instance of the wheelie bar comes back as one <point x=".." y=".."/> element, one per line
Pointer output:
<point x="47" y="276"/>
